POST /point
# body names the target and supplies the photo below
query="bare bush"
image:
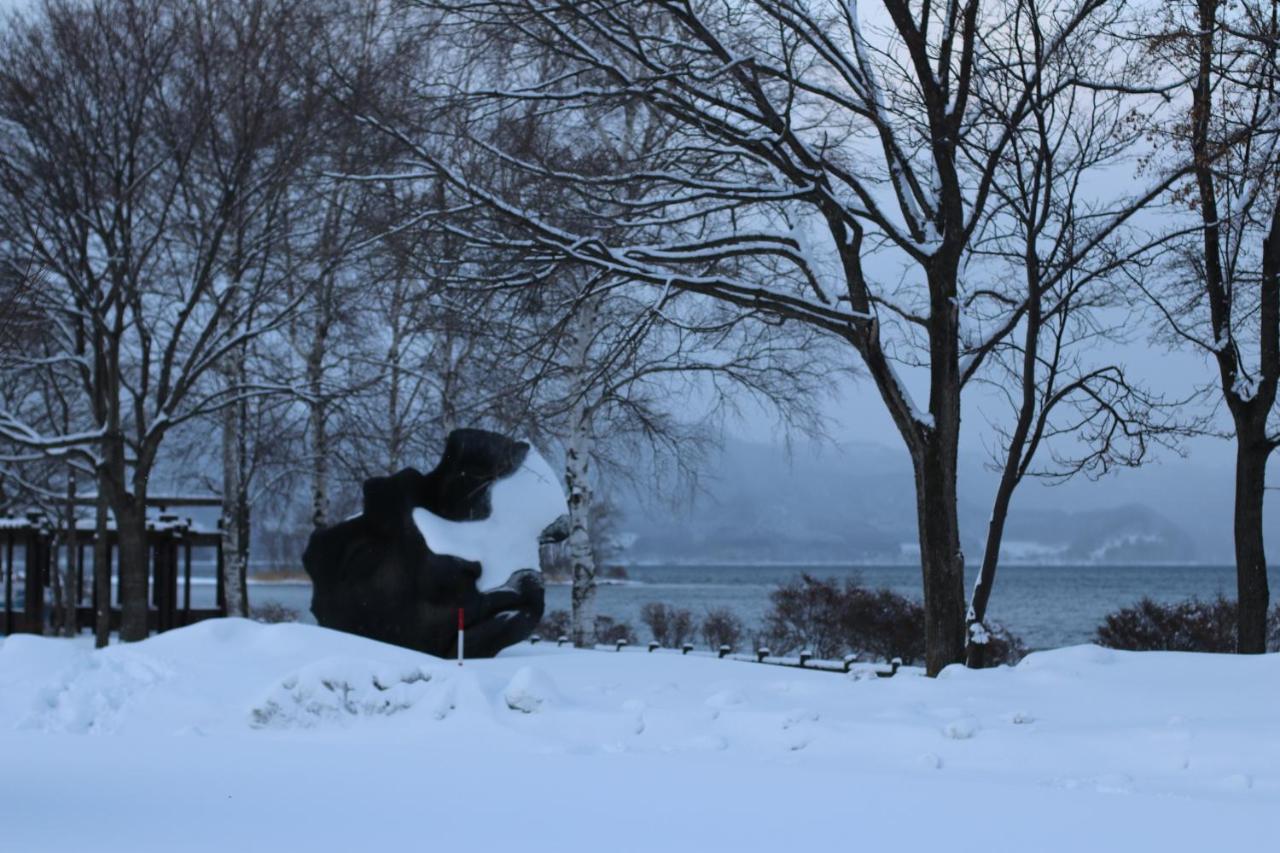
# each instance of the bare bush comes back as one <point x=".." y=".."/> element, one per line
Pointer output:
<point x="554" y="625"/>
<point x="833" y="620"/>
<point x="721" y="627"/>
<point x="273" y="612"/>
<point x="609" y="631"/>
<point x="670" y="626"/>
<point x="1002" y="647"/>
<point x="1191" y="625"/>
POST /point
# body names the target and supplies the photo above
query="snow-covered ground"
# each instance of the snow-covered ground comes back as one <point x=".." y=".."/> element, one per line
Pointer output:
<point x="235" y="737"/>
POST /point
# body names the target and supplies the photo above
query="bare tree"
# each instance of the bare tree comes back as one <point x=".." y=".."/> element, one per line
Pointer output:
<point x="1221" y="296"/>
<point x="817" y="169"/>
<point x="1070" y="410"/>
<point x="105" y="183"/>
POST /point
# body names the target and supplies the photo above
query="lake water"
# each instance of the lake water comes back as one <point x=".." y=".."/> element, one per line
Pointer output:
<point x="1048" y="606"/>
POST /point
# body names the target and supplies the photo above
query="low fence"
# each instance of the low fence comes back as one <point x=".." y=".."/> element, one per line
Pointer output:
<point x="32" y="548"/>
<point x="850" y="664"/>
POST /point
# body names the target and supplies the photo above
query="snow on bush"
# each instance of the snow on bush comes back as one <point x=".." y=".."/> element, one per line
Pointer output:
<point x="529" y="690"/>
<point x="338" y="690"/>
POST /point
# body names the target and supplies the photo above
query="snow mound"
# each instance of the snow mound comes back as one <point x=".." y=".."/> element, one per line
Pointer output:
<point x="521" y="507"/>
<point x="529" y="691"/>
<point x="90" y="696"/>
<point x="1129" y="751"/>
<point x="963" y="728"/>
<point x="339" y="690"/>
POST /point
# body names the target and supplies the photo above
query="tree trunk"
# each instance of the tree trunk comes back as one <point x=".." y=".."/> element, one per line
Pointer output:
<point x="319" y="415"/>
<point x="101" y="572"/>
<point x="1253" y="594"/>
<point x="235" y="515"/>
<point x="577" y="483"/>
<point x="131" y="528"/>
<point x="976" y="631"/>
<point x="67" y="588"/>
<point x="934" y="457"/>
<point x="319" y="466"/>
<point x="941" y="558"/>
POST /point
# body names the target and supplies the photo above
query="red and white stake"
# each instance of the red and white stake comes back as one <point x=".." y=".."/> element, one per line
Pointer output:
<point x="460" y="635"/>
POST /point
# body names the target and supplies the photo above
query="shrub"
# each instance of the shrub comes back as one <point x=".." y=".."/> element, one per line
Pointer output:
<point x="554" y="625"/>
<point x="834" y="620"/>
<point x="1191" y="625"/>
<point x="720" y="627"/>
<point x="273" y="612"/>
<point x="670" y="626"/>
<point x="805" y="613"/>
<point x="1002" y="647"/>
<point x="609" y="631"/>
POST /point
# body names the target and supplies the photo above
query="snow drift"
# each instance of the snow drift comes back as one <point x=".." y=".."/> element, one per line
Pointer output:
<point x="304" y="738"/>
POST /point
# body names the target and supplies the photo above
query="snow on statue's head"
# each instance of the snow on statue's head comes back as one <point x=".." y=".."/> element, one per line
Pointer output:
<point x="465" y="535"/>
<point x="523" y="500"/>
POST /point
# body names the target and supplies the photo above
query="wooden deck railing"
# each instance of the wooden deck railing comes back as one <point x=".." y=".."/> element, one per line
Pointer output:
<point x="31" y="548"/>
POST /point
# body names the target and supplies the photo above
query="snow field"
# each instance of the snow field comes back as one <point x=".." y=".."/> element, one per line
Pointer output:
<point x="231" y="734"/>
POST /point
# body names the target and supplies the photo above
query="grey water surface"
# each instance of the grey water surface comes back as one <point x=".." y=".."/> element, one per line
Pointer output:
<point x="1048" y="606"/>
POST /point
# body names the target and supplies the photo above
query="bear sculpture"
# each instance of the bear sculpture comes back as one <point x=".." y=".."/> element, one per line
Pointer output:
<point x="427" y="545"/>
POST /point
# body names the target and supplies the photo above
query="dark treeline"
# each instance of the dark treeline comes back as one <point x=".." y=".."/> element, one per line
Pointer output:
<point x="328" y="231"/>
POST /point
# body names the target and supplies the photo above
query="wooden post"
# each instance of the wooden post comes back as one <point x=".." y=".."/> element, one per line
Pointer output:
<point x="186" y="584"/>
<point x="164" y="551"/>
<point x="33" y="589"/>
<point x="8" y="583"/>
<point x="218" y="584"/>
<point x="79" y="546"/>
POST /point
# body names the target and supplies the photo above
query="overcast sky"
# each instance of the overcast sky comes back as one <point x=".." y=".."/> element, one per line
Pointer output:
<point x="857" y="415"/>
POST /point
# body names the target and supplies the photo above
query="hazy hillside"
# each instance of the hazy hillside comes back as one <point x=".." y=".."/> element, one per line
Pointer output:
<point x="856" y="503"/>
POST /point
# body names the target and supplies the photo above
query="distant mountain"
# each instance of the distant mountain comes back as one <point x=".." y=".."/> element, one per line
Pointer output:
<point x="856" y="504"/>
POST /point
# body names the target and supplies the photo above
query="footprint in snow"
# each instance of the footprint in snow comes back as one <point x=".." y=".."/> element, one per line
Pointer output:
<point x="636" y="709"/>
<point x="1113" y="783"/>
<point x="798" y="716"/>
<point x="963" y="728"/>
<point x="1238" y="782"/>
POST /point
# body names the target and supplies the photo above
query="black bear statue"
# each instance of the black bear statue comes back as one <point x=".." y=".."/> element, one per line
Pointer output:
<point x="428" y="545"/>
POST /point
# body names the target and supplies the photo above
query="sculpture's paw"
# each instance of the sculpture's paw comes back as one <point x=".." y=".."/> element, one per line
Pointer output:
<point x="527" y="584"/>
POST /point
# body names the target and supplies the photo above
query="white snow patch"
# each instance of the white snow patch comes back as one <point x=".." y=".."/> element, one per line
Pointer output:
<point x="338" y="690"/>
<point x="522" y="505"/>
<point x="963" y="728"/>
<point x="529" y="690"/>
<point x="1130" y="751"/>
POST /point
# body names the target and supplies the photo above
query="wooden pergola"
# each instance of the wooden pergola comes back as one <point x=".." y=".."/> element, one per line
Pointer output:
<point x="31" y="547"/>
